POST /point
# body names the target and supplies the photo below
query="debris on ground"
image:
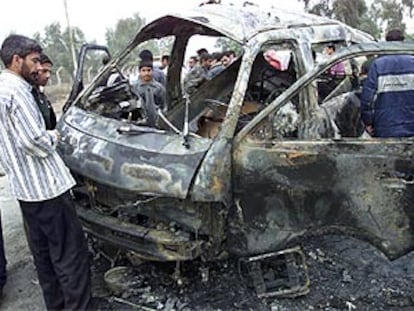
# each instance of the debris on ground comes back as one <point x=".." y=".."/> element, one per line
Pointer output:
<point x="345" y="275"/>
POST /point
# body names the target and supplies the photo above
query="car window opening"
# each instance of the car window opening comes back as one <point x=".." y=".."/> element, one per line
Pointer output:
<point x="337" y="113"/>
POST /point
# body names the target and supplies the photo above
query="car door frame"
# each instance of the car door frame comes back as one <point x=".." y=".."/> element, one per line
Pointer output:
<point x="287" y="188"/>
<point x="78" y="83"/>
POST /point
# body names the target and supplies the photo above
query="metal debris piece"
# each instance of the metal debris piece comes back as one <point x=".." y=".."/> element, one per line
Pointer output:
<point x="121" y="280"/>
<point x="205" y="274"/>
<point x="276" y="274"/>
<point x="131" y="304"/>
<point x="111" y="258"/>
<point x="177" y="274"/>
<point x="170" y="304"/>
<point x="346" y="277"/>
<point x="350" y="306"/>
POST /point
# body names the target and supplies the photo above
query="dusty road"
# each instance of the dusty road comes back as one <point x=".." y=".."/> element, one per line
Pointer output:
<point x="21" y="291"/>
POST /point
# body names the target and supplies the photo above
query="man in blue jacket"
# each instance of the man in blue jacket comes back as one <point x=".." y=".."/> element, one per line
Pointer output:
<point x="387" y="105"/>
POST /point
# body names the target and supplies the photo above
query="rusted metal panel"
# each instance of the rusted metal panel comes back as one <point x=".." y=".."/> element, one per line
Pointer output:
<point x="213" y="181"/>
<point x="152" y="162"/>
<point x="361" y="188"/>
<point x="151" y="244"/>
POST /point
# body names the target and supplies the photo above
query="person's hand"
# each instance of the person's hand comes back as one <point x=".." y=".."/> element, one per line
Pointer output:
<point x="57" y="135"/>
<point x="370" y="129"/>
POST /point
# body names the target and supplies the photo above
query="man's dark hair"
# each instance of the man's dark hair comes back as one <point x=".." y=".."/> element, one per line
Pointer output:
<point x="205" y="56"/>
<point x="202" y="51"/>
<point x="17" y="45"/>
<point x="331" y="46"/>
<point x="44" y="59"/>
<point x="145" y="63"/>
<point x="230" y="53"/>
<point x="394" y="35"/>
<point x="217" y="55"/>
<point x="146" y="55"/>
<point x="165" y="57"/>
<point x="106" y="59"/>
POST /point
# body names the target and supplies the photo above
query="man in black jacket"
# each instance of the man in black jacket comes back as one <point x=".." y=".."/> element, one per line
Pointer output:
<point x="43" y="76"/>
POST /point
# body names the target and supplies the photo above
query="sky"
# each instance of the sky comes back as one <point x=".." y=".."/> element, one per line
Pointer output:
<point x="94" y="17"/>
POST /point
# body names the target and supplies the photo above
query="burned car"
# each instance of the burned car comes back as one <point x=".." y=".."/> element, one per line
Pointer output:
<point x="254" y="159"/>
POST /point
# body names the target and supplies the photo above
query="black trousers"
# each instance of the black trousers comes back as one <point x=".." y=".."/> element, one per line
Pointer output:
<point x="3" y="261"/>
<point x="60" y="252"/>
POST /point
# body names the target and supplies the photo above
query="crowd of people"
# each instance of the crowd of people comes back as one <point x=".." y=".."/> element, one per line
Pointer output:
<point x="387" y="88"/>
<point x="151" y="82"/>
<point x="205" y="66"/>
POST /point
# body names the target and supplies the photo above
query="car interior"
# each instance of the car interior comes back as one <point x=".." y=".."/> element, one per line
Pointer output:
<point x="273" y="72"/>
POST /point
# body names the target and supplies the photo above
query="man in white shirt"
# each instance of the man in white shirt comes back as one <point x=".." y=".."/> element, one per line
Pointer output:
<point x="40" y="181"/>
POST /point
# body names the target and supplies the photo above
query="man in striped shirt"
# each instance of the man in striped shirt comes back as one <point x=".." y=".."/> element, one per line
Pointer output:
<point x="41" y="182"/>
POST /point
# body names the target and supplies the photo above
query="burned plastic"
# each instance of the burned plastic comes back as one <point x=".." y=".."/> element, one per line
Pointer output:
<point x="277" y="274"/>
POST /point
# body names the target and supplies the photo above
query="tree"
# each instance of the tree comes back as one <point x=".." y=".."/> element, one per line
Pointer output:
<point x="165" y="45"/>
<point x="125" y="31"/>
<point x="226" y="44"/>
<point x="369" y="21"/>
<point x="408" y="5"/>
<point x="322" y="8"/>
<point x="392" y="14"/>
<point x="351" y="12"/>
<point x="381" y="16"/>
<point x="56" y="44"/>
<point x="78" y="40"/>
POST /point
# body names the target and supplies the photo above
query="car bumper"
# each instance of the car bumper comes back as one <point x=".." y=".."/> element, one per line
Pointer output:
<point x="149" y="244"/>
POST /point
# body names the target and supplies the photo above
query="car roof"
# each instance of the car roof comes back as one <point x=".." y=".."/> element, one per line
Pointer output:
<point x="241" y="23"/>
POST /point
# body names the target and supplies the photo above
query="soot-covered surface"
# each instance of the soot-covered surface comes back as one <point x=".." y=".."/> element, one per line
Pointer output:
<point x="345" y="273"/>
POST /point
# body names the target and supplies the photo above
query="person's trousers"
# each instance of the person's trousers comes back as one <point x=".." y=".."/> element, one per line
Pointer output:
<point x="3" y="261"/>
<point x="59" y="251"/>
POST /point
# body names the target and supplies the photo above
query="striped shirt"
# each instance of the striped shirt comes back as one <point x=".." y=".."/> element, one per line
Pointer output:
<point x="27" y="151"/>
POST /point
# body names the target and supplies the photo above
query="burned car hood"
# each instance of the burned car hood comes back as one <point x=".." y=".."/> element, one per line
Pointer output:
<point x="137" y="159"/>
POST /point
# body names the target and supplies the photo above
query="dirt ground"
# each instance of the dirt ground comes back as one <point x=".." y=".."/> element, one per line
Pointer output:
<point x="345" y="274"/>
<point x="22" y="291"/>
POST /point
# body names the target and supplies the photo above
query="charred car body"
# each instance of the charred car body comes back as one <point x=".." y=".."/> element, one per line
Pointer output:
<point x="256" y="158"/>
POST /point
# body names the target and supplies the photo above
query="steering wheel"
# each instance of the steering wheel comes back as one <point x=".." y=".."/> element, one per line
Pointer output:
<point x="273" y="95"/>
